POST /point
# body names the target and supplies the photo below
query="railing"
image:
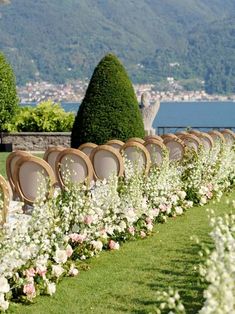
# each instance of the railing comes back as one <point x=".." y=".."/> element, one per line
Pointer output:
<point x="173" y="129"/>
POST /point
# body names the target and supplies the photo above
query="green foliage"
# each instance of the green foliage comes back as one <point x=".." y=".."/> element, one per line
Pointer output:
<point x="110" y="109"/>
<point x="45" y="117"/>
<point x="8" y="96"/>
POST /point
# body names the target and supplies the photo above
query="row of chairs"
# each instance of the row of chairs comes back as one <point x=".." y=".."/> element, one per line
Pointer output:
<point x="26" y="173"/>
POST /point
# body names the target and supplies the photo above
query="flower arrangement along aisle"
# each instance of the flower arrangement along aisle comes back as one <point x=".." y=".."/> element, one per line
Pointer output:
<point x="79" y="222"/>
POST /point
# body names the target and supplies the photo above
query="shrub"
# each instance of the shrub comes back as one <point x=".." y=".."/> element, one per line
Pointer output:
<point x="45" y="117"/>
<point x="8" y="96"/>
<point x="110" y="108"/>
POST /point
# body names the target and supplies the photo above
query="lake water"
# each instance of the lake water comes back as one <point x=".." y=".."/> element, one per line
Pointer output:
<point x="188" y="114"/>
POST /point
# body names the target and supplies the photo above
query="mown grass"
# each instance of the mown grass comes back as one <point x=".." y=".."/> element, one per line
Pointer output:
<point x="126" y="281"/>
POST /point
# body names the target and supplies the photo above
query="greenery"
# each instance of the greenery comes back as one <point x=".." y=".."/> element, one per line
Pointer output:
<point x="45" y="117"/>
<point x="126" y="281"/>
<point x="71" y="37"/>
<point x="8" y="95"/>
<point x="109" y="109"/>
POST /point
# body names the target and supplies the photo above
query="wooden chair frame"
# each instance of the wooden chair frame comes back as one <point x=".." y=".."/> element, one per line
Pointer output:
<point x="112" y="150"/>
<point x="177" y="140"/>
<point x="168" y="136"/>
<point x="46" y="167"/>
<point x="192" y="137"/>
<point x="117" y="142"/>
<point x="87" y="145"/>
<point x="206" y="135"/>
<point x="218" y="134"/>
<point x="52" y="149"/>
<point x="10" y="157"/>
<point x="227" y="131"/>
<point x="143" y="149"/>
<point x="135" y="139"/>
<point x="154" y="136"/>
<point x="78" y="153"/>
<point x="6" y="199"/>
<point x="154" y="141"/>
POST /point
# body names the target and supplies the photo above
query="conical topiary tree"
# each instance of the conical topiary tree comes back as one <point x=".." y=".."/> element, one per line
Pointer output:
<point x="109" y="109"/>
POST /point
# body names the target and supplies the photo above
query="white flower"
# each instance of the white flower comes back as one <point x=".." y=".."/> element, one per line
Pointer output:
<point x="60" y="256"/>
<point x="97" y="245"/>
<point x="182" y="195"/>
<point x="4" y="285"/>
<point x="179" y="210"/>
<point x="57" y="270"/>
<point x="3" y="303"/>
<point x="51" y="288"/>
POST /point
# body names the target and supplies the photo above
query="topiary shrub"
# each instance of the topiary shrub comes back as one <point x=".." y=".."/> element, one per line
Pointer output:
<point x="109" y="109"/>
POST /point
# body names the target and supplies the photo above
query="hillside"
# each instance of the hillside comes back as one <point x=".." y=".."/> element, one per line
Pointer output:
<point x="59" y="42"/>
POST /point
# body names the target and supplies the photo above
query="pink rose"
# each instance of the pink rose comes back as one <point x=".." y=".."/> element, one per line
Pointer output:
<point x="29" y="290"/>
<point x="29" y="272"/>
<point x="114" y="245"/>
<point x="162" y="207"/>
<point x="75" y="237"/>
<point x="88" y="219"/>
<point x="131" y="230"/>
<point x="148" y="220"/>
<point x="41" y="271"/>
<point x="142" y="234"/>
<point x="73" y="271"/>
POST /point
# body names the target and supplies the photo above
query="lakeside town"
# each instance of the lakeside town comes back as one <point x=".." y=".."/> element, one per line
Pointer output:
<point x="35" y="92"/>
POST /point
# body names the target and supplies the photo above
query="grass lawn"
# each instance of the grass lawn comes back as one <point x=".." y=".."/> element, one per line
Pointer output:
<point x="126" y="281"/>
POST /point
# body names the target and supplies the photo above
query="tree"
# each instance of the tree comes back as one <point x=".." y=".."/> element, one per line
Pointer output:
<point x="109" y="109"/>
<point x="9" y="102"/>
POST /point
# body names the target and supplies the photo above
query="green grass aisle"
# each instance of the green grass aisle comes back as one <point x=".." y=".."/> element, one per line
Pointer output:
<point x="126" y="281"/>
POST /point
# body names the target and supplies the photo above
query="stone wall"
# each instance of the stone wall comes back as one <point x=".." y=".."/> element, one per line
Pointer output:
<point x="36" y="141"/>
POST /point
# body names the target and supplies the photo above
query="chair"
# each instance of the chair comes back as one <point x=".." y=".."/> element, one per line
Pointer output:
<point x="206" y="140"/>
<point x="176" y="148"/>
<point x="154" y="136"/>
<point x="107" y="160"/>
<point x="115" y="143"/>
<point x="135" y="139"/>
<point x="10" y="166"/>
<point x="195" y="132"/>
<point x="32" y="175"/>
<point x="181" y="133"/>
<point x="137" y="154"/>
<point x="217" y="136"/>
<point x="192" y="141"/>
<point x="73" y="165"/>
<point x="51" y="154"/>
<point x="168" y="136"/>
<point x="87" y="148"/>
<point x="155" y="149"/>
<point x="5" y="199"/>
<point x="229" y="136"/>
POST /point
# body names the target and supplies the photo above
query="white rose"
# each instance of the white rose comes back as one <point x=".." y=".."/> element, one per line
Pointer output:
<point x="97" y="245"/>
<point x="51" y="288"/>
<point x="60" y="256"/>
<point x="3" y="303"/>
<point x="182" y="195"/>
<point x="179" y="210"/>
<point x="4" y="285"/>
<point x="57" y="270"/>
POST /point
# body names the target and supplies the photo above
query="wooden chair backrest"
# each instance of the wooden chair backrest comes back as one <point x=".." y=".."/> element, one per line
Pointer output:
<point x="87" y="148"/>
<point x="155" y="149"/>
<point x="135" y="139"/>
<point x="115" y="144"/>
<point x="176" y="148"/>
<point x="5" y="198"/>
<point x="51" y="155"/>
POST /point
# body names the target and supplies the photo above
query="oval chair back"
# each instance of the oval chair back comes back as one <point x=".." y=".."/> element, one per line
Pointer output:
<point x="155" y="149"/>
<point x="51" y="155"/>
<point x="168" y="136"/>
<point x="229" y="136"/>
<point x="206" y="140"/>
<point x="175" y="147"/>
<point x="181" y="133"/>
<point x="33" y="177"/>
<point x="138" y="155"/>
<point x="115" y="144"/>
<point x="72" y="165"/>
<point x="10" y="166"/>
<point x="191" y="141"/>
<point x="195" y="132"/>
<point x="4" y="199"/>
<point x="217" y="136"/>
<point x="107" y="161"/>
<point x="154" y="136"/>
<point x="136" y="139"/>
<point x="87" y="148"/>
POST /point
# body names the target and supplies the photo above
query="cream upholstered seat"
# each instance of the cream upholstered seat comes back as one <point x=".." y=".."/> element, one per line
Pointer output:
<point x="229" y="136"/>
<point x="155" y="149"/>
<point x="10" y="166"/>
<point x="115" y="143"/>
<point x="33" y="177"/>
<point x="217" y="136"/>
<point x="51" y="155"/>
<point x="135" y="139"/>
<point x="4" y="200"/>
<point x="107" y="161"/>
<point x="72" y="165"/>
<point x="138" y="155"/>
<point x="191" y="141"/>
<point x="175" y="147"/>
<point x="87" y="148"/>
<point x="154" y="136"/>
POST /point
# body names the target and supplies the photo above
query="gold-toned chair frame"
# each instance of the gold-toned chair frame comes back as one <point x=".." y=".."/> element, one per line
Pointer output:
<point x="195" y="132"/>
<point x="117" y="142"/>
<point x="154" y="136"/>
<point x="87" y="145"/>
<point x="112" y="150"/>
<point x="10" y="157"/>
<point x="181" y="133"/>
<point x="177" y="140"/>
<point x="192" y="137"/>
<point x="45" y="166"/>
<point x="218" y="134"/>
<point x="83" y="156"/>
<point x="52" y="149"/>
<point x="135" y="139"/>
<point x="168" y="136"/>
<point x="155" y="142"/>
<point x="143" y="149"/>
<point x="227" y="131"/>
<point x="206" y="135"/>
<point x="6" y="199"/>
